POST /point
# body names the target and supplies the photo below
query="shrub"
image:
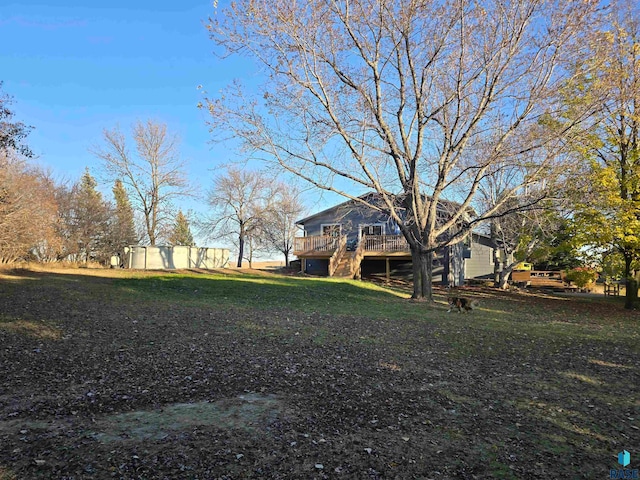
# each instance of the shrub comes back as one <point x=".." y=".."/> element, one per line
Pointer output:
<point x="581" y="276"/>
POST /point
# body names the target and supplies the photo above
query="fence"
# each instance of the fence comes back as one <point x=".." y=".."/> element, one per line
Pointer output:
<point x="174" y="257"/>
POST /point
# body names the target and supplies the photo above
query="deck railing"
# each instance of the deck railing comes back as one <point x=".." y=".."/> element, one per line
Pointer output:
<point x="317" y="243"/>
<point x="386" y="243"/>
<point x="370" y="243"/>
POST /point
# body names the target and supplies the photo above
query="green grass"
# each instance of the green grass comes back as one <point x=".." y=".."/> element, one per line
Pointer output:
<point x="499" y="326"/>
<point x="502" y="325"/>
<point x="246" y="291"/>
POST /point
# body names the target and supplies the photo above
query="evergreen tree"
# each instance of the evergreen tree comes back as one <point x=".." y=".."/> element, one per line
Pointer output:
<point x="85" y="220"/>
<point x="181" y="234"/>
<point x="123" y="229"/>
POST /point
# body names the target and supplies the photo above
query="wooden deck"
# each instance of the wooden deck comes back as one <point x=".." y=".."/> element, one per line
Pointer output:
<point x="374" y="246"/>
<point x="345" y="262"/>
<point x="551" y="280"/>
<point x="320" y="246"/>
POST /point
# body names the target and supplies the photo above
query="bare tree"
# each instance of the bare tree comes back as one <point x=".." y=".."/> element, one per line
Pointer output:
<point x="419" y="101"/>
<point x="241" y="200"/>
<point x="154" y="176"/>
<point x="532" y="217"/>
<point x="28" y="212"/>
<point x="279" y="228"/>
<point x="28" y="209"/>
<point x="519" y="236"/>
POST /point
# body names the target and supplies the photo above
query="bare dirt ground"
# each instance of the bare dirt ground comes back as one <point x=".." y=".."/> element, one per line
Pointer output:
<point x="101" y="380"/>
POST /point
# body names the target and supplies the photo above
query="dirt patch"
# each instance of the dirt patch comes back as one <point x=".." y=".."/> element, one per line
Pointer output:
<point x="247" y="412"/>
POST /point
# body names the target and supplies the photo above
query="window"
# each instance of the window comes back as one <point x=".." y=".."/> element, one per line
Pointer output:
<point x="375" y="229"/>
<point x="331" y="230"/>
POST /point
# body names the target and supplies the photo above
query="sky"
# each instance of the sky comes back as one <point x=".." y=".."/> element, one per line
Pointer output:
<point x="76" y="68"/>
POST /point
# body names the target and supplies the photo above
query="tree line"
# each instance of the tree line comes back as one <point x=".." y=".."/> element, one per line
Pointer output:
<point x="518" y="116"/>
<point x="45" y="220"/>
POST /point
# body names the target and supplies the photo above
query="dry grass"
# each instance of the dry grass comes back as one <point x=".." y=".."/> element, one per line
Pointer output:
<point x="233" y="374"/>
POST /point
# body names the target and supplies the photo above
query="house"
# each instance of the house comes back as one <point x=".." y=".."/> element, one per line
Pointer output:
<point x="354" y="240"/>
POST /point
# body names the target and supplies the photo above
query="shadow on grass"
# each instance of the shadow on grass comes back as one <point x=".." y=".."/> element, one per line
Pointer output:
<point x="218" y="290"/>
<point x="265" y="292"/>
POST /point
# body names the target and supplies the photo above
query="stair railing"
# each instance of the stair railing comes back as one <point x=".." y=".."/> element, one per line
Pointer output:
<point x="337" y="255"/>
<point x="357" y="256"/>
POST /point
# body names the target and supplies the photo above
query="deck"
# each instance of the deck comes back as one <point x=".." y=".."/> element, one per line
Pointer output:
<point x="320" y="246"/>
<point x="551" y="280"/>
<point x="372" y="245"/>
<point x="345" y="259"/>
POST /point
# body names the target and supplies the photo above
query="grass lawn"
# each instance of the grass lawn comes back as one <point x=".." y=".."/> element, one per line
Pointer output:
<point x="231" y="375"/>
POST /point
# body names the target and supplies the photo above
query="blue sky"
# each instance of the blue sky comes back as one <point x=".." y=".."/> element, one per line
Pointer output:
<point x="76" y="68"/>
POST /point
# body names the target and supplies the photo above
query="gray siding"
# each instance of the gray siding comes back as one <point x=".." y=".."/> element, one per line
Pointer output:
<point x="481" y="262"/>
<point x="351" y="218"/>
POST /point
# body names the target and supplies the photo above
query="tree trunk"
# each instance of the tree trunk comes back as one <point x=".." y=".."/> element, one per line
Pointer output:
<point x="631" y="295"/>
<point x="286" y="259"/>
<point x="496" y="256"/>
<point x="504" y="275"/>
<point x="497" y="273"/>
<point x="240" y="250"/>
<point x="627" y="264"/>
<point x="422" y="275"/>
<point x="149" y="214"/>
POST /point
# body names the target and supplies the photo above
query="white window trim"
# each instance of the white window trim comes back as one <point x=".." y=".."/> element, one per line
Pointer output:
<point x="322" y="225"/>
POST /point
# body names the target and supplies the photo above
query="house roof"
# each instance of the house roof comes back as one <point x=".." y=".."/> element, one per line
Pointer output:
<point x="351" y="201"/>
<point x="335" y="207"/>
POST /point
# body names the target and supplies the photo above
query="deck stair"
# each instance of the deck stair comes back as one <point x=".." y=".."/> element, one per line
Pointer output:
<point x="348" y="265"/>
<point x="343" y="270"/>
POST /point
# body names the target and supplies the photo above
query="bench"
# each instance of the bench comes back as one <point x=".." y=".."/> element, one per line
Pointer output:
<point x="612" y="289"/>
